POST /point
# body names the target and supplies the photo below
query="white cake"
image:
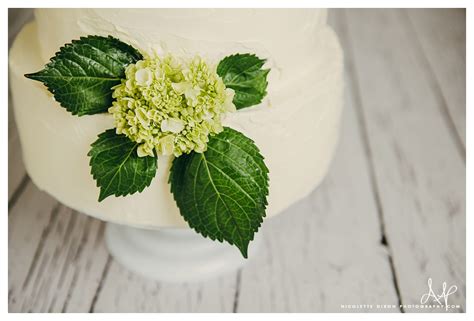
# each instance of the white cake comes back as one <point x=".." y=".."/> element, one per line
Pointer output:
<point x="296" y="126"/>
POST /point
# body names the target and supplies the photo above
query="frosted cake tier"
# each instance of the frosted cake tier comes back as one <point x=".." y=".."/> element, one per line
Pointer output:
<point x="296" y="126"/>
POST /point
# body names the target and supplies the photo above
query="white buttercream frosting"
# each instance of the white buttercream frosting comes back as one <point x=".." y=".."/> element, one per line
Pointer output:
<point x="296" y="126"/>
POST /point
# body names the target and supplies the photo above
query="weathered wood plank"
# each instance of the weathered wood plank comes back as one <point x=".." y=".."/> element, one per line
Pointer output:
<point x="419" y="172"/>
<point x="124" y="291"/>
<point x="56" y="256"/>
<point x="27" y="228"/>
<point x="442" y="36"/>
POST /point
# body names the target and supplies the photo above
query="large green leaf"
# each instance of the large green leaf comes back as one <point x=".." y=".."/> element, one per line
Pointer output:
<point x="82" y="73"/>
<point x="244" y="74"/>
<point x="222" y="193"/>
<point x="116" y="166"/>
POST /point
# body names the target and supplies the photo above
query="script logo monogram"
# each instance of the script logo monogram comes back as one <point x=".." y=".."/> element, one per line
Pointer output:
<point x="441" y="299"/>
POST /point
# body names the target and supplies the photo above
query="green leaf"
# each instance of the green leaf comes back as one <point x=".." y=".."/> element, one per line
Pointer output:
<point x="116" y="166"/>
<point x="244" y="74"/>
<point x="82" y="73"/>
<point x="222" y="193"/>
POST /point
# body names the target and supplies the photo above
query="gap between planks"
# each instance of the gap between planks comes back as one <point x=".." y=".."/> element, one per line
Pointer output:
<point x="101" y="284"/>
<point x="352" y="74"/>
<point x="60" y="263"/>
<point x="408" y="173"/>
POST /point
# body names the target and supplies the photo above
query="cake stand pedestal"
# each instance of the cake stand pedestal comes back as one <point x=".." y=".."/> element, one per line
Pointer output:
<point x="174" y="254"/>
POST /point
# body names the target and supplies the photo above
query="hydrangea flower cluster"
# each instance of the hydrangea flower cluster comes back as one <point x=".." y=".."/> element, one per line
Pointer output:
<point x="170" y="105"/>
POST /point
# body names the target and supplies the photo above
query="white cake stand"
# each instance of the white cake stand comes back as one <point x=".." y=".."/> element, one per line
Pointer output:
<point x="174" y="254"/>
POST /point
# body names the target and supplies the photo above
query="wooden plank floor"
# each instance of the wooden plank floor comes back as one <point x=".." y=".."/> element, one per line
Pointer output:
<point x="389" y="215"/>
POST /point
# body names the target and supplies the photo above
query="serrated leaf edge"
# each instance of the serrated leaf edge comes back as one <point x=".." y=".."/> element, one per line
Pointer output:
<point x="264" y="204"/>
<point x="92" y="156"/>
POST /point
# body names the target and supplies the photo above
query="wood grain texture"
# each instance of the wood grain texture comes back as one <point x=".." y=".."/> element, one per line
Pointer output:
<point x="59" y="265"/>
<point x="124" y="291"/>
<point x="419" y="172"/>
<point x="27" y="230"/>
<point x="441" y="34"/>
<point x="389" y="215"/>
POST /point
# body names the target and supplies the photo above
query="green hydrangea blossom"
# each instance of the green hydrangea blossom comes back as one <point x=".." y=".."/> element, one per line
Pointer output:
<point x="170" y="105"/>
